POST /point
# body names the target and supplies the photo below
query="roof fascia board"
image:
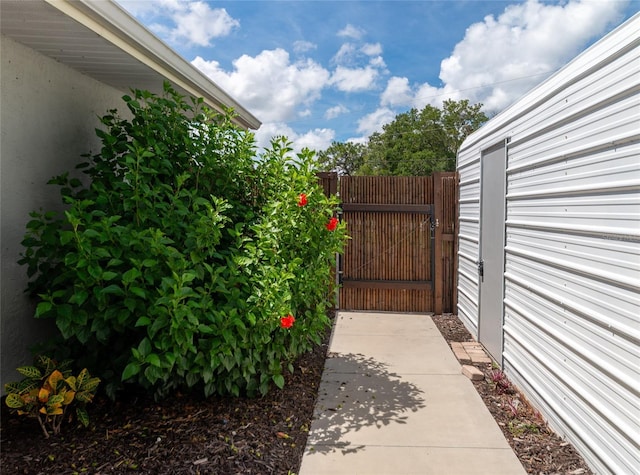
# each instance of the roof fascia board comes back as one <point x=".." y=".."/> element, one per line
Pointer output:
<point x="110" y="21"/>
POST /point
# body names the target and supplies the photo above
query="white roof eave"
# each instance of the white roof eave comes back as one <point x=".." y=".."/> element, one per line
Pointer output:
<point x="101" y="40"/>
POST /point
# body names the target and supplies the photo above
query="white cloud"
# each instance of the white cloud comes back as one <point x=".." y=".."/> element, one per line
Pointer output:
<point x="373" y="122"/>
<point x="371" y="49"/>
<point x="193" y="21"/>
<point x="345" y="54"/>
<point x="378" y="62"/>
<point x="398" y="93"/>
<point x="351" y="31"/>
<point x="199" y="24"/>
<point x="269" y="85"/>
<point x="303" y="46"/>
<point x="335" y="111"/>
<point x="358" y="140"/>
<point x="520" y="47"/>
<point x="316" y="139"/>
<point x="500" y="59"/>
<point x="427" y="94"/>
<point x="353" y="80"/>
<point x="350" y="55"/>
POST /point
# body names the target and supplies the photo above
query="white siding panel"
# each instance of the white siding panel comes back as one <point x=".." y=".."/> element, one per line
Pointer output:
<point x="468" y="240"/>
<point x="594" y="409"/>
<point x="572" y="252"/>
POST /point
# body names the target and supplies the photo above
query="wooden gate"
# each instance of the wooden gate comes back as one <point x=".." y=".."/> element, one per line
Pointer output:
<point x="401" y="255"/>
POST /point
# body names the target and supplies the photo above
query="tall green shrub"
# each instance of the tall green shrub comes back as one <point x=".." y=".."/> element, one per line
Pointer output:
<point x="181" y="261"/>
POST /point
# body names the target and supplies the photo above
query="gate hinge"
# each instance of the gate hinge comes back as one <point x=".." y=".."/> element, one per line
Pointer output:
<point x="481" y="268"/>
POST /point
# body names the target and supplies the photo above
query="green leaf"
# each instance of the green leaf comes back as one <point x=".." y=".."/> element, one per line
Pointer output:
<point x="278" y="379"/>
<point x="109" y="275"/>
<point x="42" y="308"/>
<point x="79" y="297"/>
<point x="66" y="237"/>
<point x="83" y="416"/>
<point x="82" y="378"/>
<point x="145" y="347"/>
<point x="131" y="275"/>
<point x="84" y="396"/>
<point x="95" y="271"/>
<point x="152" y="373"/>
<point x="13" y="387"/>
<point x="130" y="371"/>
<point x="138" y="292"/>
<point x="192" y="379"/>
<point x="91" y="233"/>
<point x="112" y="289"/>
<point x="14" y="401"/>
<point x="153" y="359"/>
<point x="130" y="303"/>
<point x="71" y="382"/>
<point x="143" y="322"/>
<point x="205" y="329"/>
<point x="91" y="385"/>
<point x="29" y="372"/>
<point x="55" y="399"/>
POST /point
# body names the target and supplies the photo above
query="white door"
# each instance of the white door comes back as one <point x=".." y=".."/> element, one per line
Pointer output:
<point x="492" y="237"/>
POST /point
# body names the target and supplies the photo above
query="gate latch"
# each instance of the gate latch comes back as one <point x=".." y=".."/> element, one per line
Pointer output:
<point x="481" y="268"/>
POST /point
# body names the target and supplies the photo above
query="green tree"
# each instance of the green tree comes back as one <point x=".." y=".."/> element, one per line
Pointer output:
<point x="422" y="142"/>
<point x="460" y="119"/>
<point x="345" y="158"/>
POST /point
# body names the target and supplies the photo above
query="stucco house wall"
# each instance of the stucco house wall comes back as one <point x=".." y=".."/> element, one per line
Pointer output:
<point x="48" y="116"/>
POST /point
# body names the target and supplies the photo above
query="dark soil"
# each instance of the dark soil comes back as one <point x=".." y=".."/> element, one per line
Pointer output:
<point x="189" y="435"/>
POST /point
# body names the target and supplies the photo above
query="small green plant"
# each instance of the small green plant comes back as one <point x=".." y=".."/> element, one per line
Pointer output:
<point x="518" y="428"/>
<point x="50" y="393"/>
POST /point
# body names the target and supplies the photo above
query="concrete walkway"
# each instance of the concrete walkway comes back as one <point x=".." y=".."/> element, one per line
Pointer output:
<point x="393" y="400"/>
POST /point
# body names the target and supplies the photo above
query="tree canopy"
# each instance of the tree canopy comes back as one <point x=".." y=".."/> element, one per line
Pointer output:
<point x="346" y="158"/>
<point x="417" y="142"/>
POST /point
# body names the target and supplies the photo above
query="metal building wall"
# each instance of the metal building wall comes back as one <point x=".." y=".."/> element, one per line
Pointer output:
<point x="572" y="253"/>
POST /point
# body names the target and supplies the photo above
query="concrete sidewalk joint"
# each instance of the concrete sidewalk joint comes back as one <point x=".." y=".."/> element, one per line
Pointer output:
<point x="393" y="400"/>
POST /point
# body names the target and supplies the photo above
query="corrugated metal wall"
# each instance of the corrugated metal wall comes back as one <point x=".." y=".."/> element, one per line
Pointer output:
<point x="572" y="254"/>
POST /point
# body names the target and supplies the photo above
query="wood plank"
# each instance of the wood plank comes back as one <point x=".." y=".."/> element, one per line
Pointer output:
<point x="387" y="284"/>
<point x="438" y="218"/>
<point x="388" y="208"/>
<point x="387" y="263"/>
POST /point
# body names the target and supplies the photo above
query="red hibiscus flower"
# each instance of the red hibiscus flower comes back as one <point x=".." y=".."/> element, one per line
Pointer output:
<point x="287" y="322"/>
<point x="302" y="199"/>
<point x="332" y="224"/>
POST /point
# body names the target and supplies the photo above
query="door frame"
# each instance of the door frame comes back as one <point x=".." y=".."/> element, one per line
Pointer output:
<point x="491" y="248"/>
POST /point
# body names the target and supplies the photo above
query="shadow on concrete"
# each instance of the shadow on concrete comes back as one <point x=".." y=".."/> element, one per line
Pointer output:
<point x="358" y="392"/>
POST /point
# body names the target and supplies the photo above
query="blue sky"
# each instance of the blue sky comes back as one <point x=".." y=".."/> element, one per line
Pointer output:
<point x="323" y="71"/>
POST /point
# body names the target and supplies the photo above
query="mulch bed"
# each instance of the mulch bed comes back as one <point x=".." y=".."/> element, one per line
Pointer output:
<point x="187" y="434"/>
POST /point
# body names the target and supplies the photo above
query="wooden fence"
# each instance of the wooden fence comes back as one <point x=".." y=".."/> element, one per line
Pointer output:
<point x="401" y="255"/>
